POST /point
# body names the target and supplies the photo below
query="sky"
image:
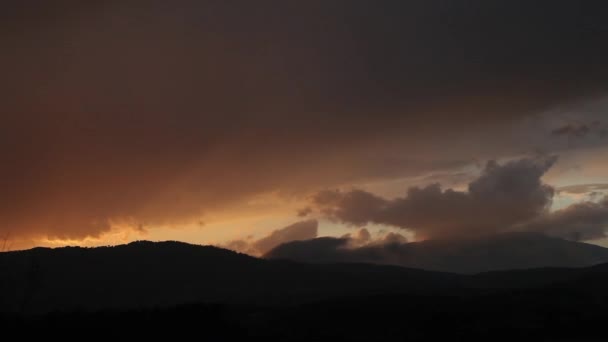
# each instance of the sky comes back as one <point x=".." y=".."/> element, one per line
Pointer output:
<point x="248" y="124"/>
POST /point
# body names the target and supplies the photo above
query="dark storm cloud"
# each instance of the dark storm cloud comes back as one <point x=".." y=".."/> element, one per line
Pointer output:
<point x="155" y="112"/>
<point x="502" y="196"/>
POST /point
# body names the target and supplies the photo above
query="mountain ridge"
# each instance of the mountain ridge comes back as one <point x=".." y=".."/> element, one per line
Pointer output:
<point x="147" y="274"/>
<point x="507" y="251"/>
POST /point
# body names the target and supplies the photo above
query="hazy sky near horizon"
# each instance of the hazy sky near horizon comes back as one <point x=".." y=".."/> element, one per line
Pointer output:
<point x="219" y="122"/>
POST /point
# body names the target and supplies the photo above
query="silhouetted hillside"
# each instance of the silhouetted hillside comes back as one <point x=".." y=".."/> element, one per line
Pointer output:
<point x="472" y="255"/>
<point x="176" y="288"/>
<point x="145" y="274"/>
<point x="512" y="316"/>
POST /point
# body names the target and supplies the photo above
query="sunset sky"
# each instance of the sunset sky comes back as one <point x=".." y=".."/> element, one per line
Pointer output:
<point x="251" y="123"/>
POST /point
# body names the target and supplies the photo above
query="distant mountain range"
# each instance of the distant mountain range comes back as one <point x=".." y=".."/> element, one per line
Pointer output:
<point x="466" y="255"/>
<point x="147" y="274"/>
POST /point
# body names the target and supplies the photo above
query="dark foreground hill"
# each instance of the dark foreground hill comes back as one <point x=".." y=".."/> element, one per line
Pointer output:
<point x="465" y="255"/>
<point x="148" y="288"/>
<point x="531" y="315"/>
<point x="146" y="274"/>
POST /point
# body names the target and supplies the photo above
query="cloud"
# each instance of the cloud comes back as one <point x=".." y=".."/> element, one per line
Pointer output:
<point x="580" y="130"/>
<point x="356" y="207"/>
<point x="502" y="196"/>
<point x="364" y="238"/>
<point x="308" y="231"/>
<point x="299" y="231"/>
<point x="572" y="130"/>
<point x="160" y="113"/>
<point x="392" y="238"/>
<point x="304" y="212"/>
<point x="579" y="222"/>
<point x="304" y="230"/>
<point x="361" y="246"/>
<point x="579" y="189"/>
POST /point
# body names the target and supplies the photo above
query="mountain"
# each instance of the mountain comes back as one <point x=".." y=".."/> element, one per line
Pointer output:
<point x="507" y="251"/>
<point x="175" y="288"/>
<point x="146" y="274"/>
<point x="160" y="275"/>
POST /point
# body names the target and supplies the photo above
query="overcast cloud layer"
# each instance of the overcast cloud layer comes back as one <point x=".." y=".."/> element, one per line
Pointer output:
<point x="156" y="112"/>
